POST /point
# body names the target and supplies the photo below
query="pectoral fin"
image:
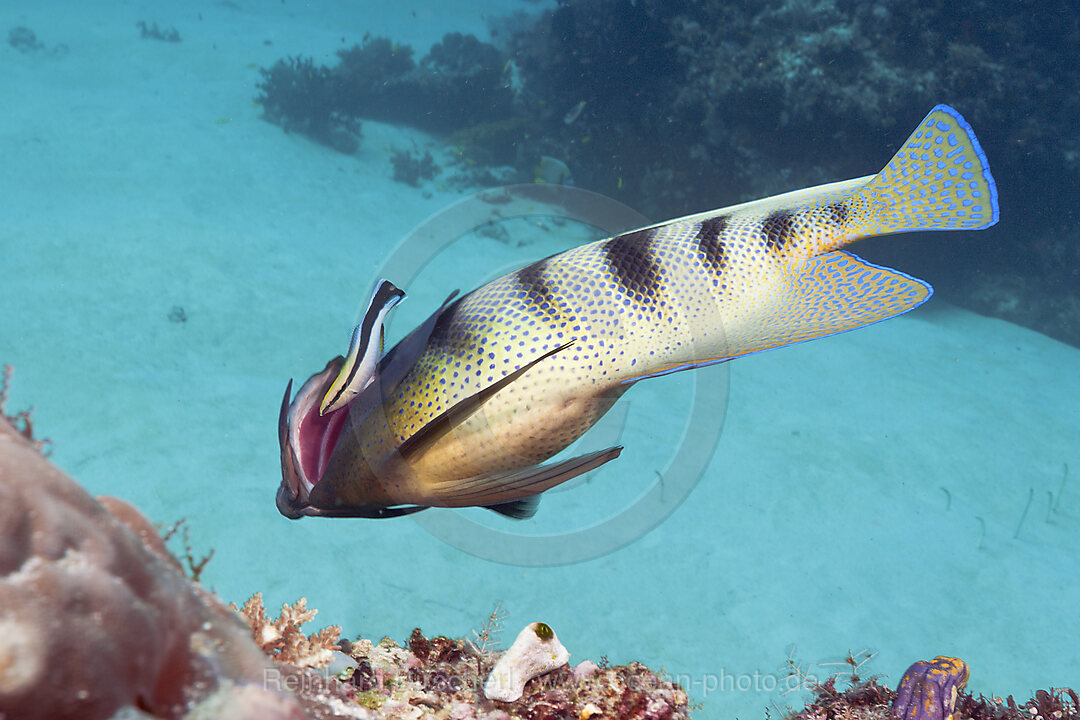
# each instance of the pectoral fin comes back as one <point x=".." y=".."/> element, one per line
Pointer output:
<point x="451" y="418"/>
<point x="514" y="490"/>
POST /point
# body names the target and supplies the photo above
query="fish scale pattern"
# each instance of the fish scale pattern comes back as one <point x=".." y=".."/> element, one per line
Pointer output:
<point x="629" y="305"/>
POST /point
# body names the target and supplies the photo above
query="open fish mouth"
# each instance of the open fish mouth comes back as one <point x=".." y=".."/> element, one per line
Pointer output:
<point x="307" y="440"/>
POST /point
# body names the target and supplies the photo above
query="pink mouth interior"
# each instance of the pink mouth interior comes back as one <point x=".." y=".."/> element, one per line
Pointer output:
<point x="318" y="437"/>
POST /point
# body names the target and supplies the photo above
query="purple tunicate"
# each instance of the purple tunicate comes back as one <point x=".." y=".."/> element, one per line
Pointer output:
<point x="928" y="689"/>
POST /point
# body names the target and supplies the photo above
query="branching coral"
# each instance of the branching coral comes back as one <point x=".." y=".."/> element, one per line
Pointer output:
<point x="282" y="638"/>
<point x="193" y="567"/>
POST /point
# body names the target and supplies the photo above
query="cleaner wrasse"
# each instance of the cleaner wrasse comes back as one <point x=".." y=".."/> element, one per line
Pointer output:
<point x="464" y="409"/>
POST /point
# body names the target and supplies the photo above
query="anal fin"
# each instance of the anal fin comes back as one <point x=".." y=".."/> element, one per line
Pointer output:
<point x="830" y="293"/>
<point x="514" y="486"/>
<point x="839" y="291"/>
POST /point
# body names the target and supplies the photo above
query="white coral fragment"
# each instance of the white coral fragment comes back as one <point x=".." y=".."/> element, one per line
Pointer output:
<point x="536" y="651"/>
<point x="22" y="657"/>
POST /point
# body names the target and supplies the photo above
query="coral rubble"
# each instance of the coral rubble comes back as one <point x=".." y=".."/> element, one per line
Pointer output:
<point x="98" y="620"/>
<point x="443" y="678"/>
<point x="438" y="677"/>
<point x="868" y="700"/>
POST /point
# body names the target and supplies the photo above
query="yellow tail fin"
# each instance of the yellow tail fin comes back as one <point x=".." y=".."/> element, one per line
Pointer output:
<point x="939" y="180"/>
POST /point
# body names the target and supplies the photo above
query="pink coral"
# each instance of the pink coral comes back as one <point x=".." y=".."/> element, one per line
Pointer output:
<point x="95" y="616"/>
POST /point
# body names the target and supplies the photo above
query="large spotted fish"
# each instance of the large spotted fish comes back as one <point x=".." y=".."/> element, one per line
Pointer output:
<point x="464" y="409"/>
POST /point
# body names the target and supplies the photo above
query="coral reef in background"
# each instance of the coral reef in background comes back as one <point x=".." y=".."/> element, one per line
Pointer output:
<point x="457" y="84"/>
<point x="736" y="101"/>
<point x="302" y="97"/>
<point x="674" y="106"/>
<point x="151" y="31"/>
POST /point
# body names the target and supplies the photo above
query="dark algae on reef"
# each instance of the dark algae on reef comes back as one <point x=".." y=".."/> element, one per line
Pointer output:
<point x="676" y="105"/>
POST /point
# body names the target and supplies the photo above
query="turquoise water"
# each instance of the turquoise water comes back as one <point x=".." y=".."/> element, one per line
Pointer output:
<point x="899" y="492"/>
